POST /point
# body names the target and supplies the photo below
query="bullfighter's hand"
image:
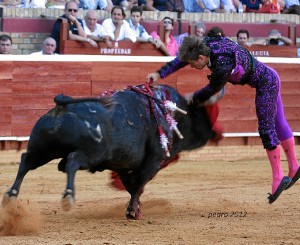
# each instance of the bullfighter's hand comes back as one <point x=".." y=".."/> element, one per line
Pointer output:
<point x="152" y="77"/>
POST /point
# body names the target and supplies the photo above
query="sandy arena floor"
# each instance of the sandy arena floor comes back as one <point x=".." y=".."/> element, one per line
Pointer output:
<point x="187" y="203"/>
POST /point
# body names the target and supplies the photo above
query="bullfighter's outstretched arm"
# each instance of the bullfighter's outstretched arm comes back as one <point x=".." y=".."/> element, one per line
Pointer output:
<point x="166" y="69"/>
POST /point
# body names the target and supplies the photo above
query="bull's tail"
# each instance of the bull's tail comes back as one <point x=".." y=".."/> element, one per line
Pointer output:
<point x="63" y="100"/>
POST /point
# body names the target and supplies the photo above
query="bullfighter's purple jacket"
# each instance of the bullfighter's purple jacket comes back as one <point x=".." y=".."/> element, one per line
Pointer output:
<point x="232" y="63"/>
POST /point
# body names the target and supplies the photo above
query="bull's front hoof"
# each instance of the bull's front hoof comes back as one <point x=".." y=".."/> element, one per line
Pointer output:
<point x="67" y="201"/>
<point x="133" y="215"/>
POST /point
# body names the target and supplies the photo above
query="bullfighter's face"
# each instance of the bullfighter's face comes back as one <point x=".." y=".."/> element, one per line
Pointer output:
<point x="200" y="63"/>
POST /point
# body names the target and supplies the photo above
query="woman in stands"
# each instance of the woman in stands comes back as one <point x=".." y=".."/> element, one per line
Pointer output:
<point x="232" y="63"/>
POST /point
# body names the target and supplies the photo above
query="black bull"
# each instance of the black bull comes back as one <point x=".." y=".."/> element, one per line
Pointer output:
<point x="118" y="133"/>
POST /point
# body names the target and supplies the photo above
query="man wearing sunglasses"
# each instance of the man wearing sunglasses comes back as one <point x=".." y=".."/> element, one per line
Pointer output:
<point x="76" y="31"/>
<point x="169" y="46"/>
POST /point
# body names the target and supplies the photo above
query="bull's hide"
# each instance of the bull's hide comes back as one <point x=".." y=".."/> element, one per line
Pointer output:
<point x="120" y="133"/>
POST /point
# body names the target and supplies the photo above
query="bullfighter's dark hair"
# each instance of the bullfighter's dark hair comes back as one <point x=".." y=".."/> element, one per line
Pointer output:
<point x="216" y="30"/>
<point x="191" y="47"/>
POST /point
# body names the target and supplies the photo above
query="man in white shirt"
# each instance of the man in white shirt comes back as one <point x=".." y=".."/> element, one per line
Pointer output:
<point x="93" y="29"/>
<point x="49" y="46"/>
<point x="117" y="28"/>
<point x="134" y="23"/>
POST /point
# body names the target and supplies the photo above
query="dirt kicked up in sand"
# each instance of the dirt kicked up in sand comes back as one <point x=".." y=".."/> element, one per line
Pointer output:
<point x="212" y="202"/>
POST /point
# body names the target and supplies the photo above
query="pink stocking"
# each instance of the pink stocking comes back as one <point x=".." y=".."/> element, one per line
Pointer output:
<point x="288" y="146"/>
<point x="274" y="158"/>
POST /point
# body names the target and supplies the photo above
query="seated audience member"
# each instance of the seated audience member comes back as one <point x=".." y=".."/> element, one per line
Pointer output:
<point x="76" y="31"/>
<point x="242" y="38"/>
<point x="200" y="30"/>
<point x="292" y="7"/>
<point x="36" y="3"/>
<point x="94" y="30"/>
<point x="116" y="27"/>
<point x="157" y="5"/>
<point x="134" y="23"/>
<point x="275" y="38"/>
<point x="5" y="44"/>
<point x="10" y="3"/>
<point x="48" y="48"/>
<point x="56" y="4"/>
<point x="125" y="4"/>
<point x="215" y="31"/>
<point x="231" y="6"/>
<point x="106" y="5"/>
<point x="207" y="6"/>
<point x="169" y="47"/>
<point x="176" y="5"/>
<point x="251" y="5"/>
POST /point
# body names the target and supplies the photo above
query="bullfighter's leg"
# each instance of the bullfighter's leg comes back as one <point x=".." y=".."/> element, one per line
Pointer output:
<point x="75" y="162"/>
<point x="27" y="163"/>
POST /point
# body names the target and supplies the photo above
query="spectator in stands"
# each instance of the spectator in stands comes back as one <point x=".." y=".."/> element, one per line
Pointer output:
<point x="242" y="38"/>
<point x="134" y="23"/>
<point x="93" y="30"/>
<point x="228" y="62"/>
<point x="199" y="32"/>
<point x="231" y="6"/>
<point x="5" y="44"/>
<point x="10" y="3"/>
<point x="176" y="5"/>
<point x="76" y="31"/>
<point x="125" y="4"/>
<point x="169" y="46"/>
<point x="275" y="38"/>
<point x="35" y="3"/>
<point x="216" y="30"/>
<point x="252" y="5"/>
<point x="292" y="7"/>
<point x="48" y="48"/>
<point x="106" y="5"/>
<point x="116" y="27"/>
<point x="55" y="4"/>
<point x="157" y="5"/>
<point x="207" y="6"/>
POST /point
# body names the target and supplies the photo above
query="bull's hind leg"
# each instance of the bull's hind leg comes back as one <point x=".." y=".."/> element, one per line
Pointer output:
<point x="13" y="192"/>
<point x="75" y="162"/>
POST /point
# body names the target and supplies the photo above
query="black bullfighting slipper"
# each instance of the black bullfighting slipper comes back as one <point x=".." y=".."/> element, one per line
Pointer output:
<point x="294" y="179"/>
<point x="283" y="184"/>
